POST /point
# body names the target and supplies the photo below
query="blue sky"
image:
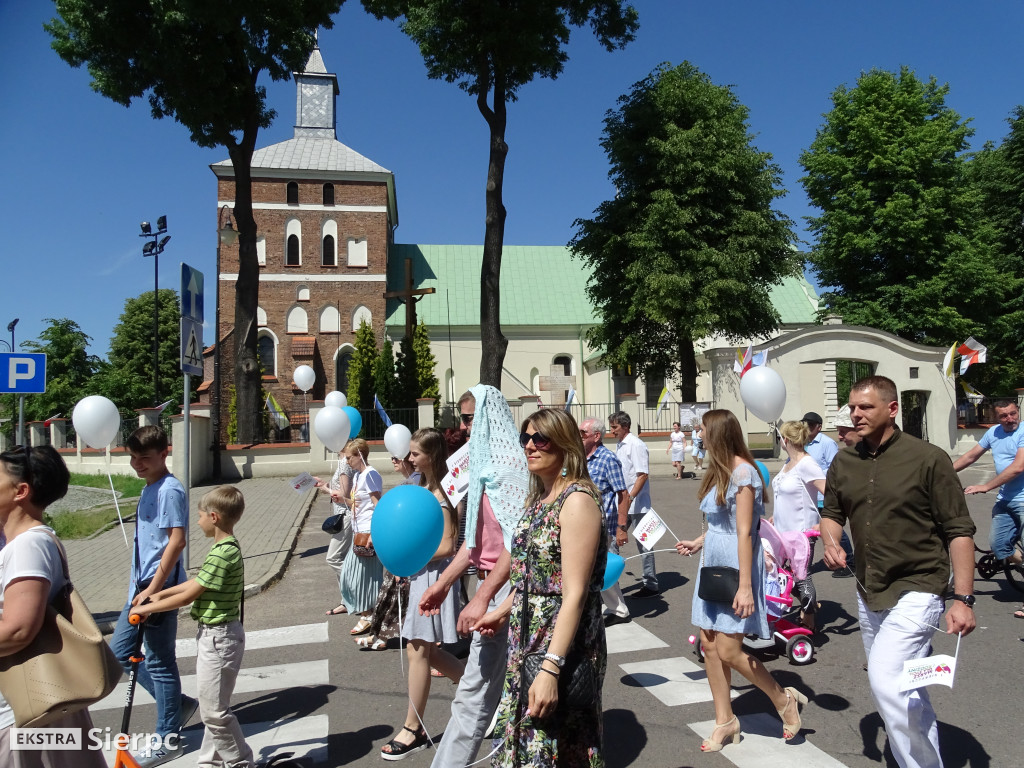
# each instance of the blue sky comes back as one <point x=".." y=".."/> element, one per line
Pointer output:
<point x="80" y="172"/>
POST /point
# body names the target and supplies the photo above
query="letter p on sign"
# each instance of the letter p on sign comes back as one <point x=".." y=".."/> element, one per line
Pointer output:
<point x="22" y="373"/>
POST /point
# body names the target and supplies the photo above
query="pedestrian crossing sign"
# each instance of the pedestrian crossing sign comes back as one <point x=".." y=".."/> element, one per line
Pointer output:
<point x="191" y="347"/>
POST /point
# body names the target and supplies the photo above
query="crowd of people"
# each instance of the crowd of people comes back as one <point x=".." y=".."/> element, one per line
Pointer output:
<point x="520" y="570"/>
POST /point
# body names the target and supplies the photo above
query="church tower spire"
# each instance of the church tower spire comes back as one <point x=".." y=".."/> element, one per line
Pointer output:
<point x="316" y="92"/>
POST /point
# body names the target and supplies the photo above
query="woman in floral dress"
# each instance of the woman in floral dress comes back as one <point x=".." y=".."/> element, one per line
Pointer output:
<point x="558" y="559"/>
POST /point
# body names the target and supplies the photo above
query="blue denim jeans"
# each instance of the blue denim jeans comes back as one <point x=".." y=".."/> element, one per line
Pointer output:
<point x="158" y="674"/>
<point x="1007" y="520"/>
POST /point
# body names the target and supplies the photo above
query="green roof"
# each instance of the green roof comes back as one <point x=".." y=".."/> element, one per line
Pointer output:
<point x="540" y="285"/>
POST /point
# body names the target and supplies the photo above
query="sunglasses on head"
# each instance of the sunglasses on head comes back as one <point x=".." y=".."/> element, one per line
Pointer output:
<point x="467" y="418"/>
<point x="540" y="442"/>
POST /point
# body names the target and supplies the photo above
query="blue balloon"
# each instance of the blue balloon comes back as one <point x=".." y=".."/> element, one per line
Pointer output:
<point x="763" y="469"/>
<point x="355" y="421"/>
<point x="406" y="528"/>
<point x="612" y="570"/>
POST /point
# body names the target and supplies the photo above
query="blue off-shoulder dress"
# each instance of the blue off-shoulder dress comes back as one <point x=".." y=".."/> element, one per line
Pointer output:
<point x="721" y="548"/>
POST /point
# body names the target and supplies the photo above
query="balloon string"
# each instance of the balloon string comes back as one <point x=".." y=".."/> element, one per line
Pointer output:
<point x="631" y="557"/>
<point x="116" y="505"/>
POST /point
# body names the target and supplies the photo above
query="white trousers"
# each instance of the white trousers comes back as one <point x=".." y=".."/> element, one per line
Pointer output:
<point x="339" y="546"/>
<point x="218" y="659"/>
<point x="614" y="602"/>
<point x="891" y="637"/>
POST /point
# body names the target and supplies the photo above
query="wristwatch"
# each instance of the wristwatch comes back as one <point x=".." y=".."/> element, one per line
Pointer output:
<point x="624" y="528"/>
<point x="967" y="600"/>
<point x="558" y="661"/>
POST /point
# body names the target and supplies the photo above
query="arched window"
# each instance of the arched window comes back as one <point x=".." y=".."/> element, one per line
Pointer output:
<point x="266" y="351"/>
<point x="361" y="314"/>
<point x="341" y="365"/>
<point x="261" y="250"/>
<point x="328" y="194"/>
<point x="330" y="320"/>
<point x="328" y="243"/>
<point x="297" y="321"/>
<point x="302" y="293"/>
<point x="293" y="243"/>
<point x="261" y="317"/>
<point x="293" y="193"/>
<point x="565" y="362"/>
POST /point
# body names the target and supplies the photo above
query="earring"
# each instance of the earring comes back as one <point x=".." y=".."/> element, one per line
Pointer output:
<point x="564" y="471"/>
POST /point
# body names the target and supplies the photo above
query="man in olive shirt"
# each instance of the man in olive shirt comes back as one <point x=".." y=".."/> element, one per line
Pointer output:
<point x="905" y="508"/>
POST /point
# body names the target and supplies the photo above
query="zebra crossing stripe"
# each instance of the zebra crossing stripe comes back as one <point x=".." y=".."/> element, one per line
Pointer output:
<point x="300" y="634"/>
<point x="623" y="638"/>
<point x="250" y="680"/>
<point x="674" y="682"/>
<point x="762" y="746"/>
<point x="304" y="737"/>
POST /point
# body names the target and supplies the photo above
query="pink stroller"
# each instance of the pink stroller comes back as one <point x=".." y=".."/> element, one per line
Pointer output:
<point x="794" y="547"/>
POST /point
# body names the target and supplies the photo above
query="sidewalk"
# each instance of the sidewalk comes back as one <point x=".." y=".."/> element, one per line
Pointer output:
<point x="274" y="514"/>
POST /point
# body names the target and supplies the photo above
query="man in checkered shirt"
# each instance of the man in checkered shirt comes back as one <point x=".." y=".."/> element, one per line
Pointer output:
<point x="606" y="471"/>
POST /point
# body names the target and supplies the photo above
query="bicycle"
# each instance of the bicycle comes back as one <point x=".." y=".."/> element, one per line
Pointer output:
<point x="988" y="566"/>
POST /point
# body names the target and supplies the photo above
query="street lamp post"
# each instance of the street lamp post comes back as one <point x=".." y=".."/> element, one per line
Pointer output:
<point x="154" y="248"/>
<point x="226" y="235"/>
<point x="21" y="398"/>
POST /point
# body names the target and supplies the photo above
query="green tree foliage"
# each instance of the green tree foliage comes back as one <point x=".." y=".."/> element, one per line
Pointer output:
<point x="426" y="382"/>
<point x="998" y="174"/>
<point x="128" y="378"/>
<point x="69" y="373"/>
<point x="901" y="242"/>
<point x="690" y="245"/>
<point x="385" y="384"/>
<point x="201" y="63"/>
<point x="360" y="370"/>
<point x="491" y="49"/>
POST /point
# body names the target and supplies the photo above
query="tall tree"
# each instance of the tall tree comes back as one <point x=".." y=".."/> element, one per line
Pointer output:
<point x="128" y="379"/>
<point x="690" y="245"/>
<point x="69" y="371"/>
<point x="901" y="242"/>
<point x="998" y="174"/>
<point x="201" y="64"/>
<point x="491" y="49"/>
<point x="385" y="385"/>
<point x="360" y="370"/>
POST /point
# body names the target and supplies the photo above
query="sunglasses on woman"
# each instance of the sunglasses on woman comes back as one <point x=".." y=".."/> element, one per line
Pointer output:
<point x="540" y="442"/>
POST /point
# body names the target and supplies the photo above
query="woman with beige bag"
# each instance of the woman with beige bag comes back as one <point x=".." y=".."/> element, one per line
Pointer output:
<point x="33" y="572"/>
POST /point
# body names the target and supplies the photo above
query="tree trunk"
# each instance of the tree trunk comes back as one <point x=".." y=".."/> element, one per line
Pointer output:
<point x="247" y="369"/>
<point x="687" y="368"/>
<point x="492" y="342"/>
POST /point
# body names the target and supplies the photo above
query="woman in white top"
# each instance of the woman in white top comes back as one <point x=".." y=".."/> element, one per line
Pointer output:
<point x="362" y="573"/>
<point x="31" y="576"/>
<point x="795" y="490"/>
<point x="339" y="488"/>
<point x="677" y="446"/>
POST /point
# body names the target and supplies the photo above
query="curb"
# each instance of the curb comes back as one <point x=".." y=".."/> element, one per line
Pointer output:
<point x="269" y="578"/>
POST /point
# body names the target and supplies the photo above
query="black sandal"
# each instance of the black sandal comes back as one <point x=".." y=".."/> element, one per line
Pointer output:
<point x="400" y="751"/>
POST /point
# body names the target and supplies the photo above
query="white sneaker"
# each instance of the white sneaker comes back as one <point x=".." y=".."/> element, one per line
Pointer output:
<point x="147" y="758"/>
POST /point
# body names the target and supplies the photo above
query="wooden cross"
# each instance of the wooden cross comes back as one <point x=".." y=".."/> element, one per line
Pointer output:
<point x="408" y="297"/>
<point x="558" y="384"/>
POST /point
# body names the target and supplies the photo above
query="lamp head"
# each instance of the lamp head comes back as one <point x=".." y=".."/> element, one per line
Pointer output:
<point x="161" y="225"/>
<point x="146" y="229"/>
<point x="148" y="248"/>
<point x="10" y="325"/>
<point x="164" y="241"/>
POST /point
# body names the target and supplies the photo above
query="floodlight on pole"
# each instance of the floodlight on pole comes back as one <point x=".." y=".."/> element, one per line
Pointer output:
<point x="154" y="248"/>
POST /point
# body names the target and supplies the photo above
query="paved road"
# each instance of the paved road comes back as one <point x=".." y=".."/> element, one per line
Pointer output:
<point x="309" y="690"/>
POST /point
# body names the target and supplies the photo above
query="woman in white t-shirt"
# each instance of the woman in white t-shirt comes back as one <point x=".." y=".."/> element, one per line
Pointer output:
<point x="677" y="446"/>
<point x="339" y="488"/>
<point x="362" y="573"/>
<point x="31" y="576"/>
<point x="795" y="491"/>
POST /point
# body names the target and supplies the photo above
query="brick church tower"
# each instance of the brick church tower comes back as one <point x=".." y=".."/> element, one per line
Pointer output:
<point x="325" y="217"/>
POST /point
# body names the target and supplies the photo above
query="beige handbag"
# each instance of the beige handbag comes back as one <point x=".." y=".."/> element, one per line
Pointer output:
<point x="67" y="667"/>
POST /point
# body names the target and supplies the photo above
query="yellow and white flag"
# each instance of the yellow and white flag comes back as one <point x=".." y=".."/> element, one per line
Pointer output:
<point x="947" y="361"/>
<point x="276" y="413"/>
<point x="664" y="399"/>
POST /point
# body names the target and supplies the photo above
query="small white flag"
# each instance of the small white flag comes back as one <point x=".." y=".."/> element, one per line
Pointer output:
<point x="160" y="408"/>
<point x="933" y="670"/>
<point x="649" y="530"/>
<point x="303" y="481"/>
<point x="570" y="398"/>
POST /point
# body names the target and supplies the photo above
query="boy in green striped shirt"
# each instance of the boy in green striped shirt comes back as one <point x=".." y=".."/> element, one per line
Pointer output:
<point x="216" y="597"/>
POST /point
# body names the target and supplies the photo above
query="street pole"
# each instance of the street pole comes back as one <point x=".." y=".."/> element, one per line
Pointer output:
<point x="21" y="398"/>
<point x="154" y="249"/>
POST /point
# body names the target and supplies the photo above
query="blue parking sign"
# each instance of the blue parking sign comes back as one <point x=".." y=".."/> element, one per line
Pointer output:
<point x="23" y="373"/>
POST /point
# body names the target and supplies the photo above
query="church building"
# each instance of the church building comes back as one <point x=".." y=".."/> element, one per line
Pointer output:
<point x="326" y="217"/>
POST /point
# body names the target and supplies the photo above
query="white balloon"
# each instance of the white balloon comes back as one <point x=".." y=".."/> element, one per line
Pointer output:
<point x="304" y="378"/>
<point x="332" y="427"/>
<point x="763" y="392"/>
<point x="396" y="440"/>
<point x="336" y="398"/>
<point x="96" y="421"/>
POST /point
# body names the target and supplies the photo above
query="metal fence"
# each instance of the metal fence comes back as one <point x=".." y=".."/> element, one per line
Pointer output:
<point x="981" y="411"/>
